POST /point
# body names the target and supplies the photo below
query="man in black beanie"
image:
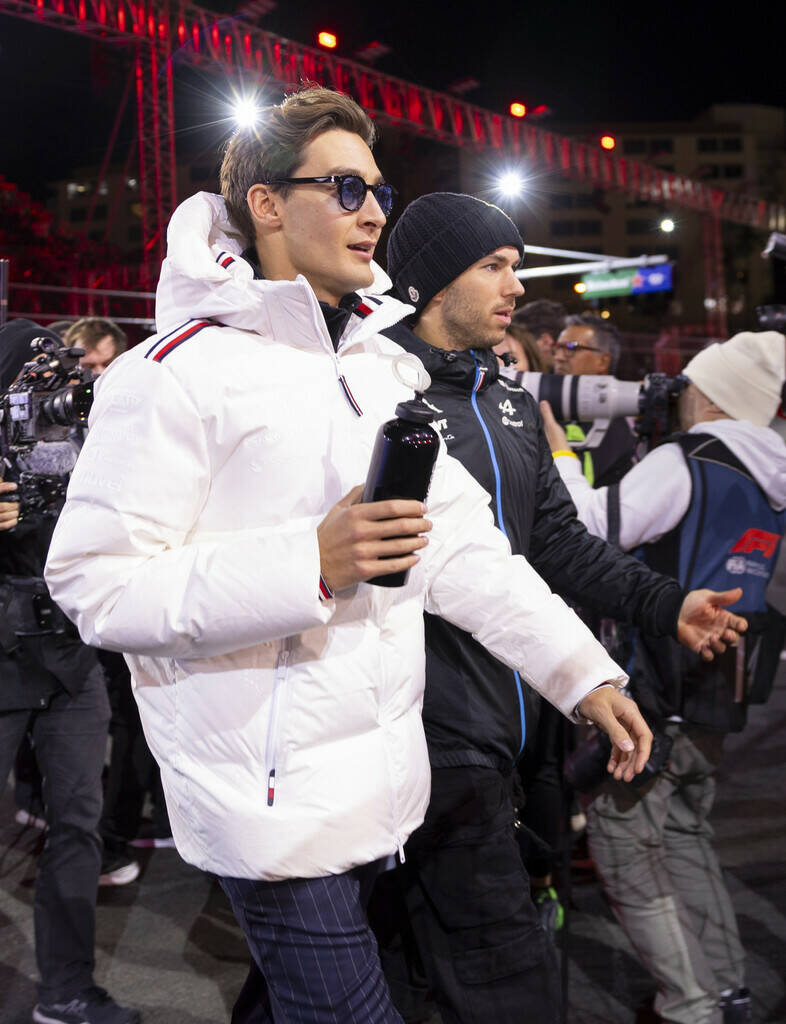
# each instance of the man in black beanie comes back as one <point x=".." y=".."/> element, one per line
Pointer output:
<point x="53" y="689"/>
<point x="463" y="884"/>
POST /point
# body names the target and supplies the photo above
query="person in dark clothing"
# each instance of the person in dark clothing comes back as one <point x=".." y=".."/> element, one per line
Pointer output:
<point x="53" y="689"/>
<point x="466" y="892"/>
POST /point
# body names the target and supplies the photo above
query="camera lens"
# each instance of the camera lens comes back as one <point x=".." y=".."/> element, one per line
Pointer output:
<point x="69" y="406"/>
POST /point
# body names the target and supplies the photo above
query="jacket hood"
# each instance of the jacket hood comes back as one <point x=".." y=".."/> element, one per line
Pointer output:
<point x="449" y="369"/>
<point x="760" y="449"/>
<point x="204" y="277"/>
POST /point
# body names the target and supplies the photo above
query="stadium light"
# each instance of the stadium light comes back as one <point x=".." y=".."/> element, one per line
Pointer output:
<point x="667" y="225"/>
<point x="328" y="39"/>
<point x="518" y="110"/>
<point x="511" y="184"/>
<point x="608" y="142"/>
<point x="245" y="112"/>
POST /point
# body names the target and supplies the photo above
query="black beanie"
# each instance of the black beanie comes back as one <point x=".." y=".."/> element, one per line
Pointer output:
<point x="438" y="237"/>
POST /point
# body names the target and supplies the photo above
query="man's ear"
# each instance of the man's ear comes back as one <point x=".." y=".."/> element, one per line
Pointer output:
<point x="263" y="206"/>
<point x="436" y="300"/>
<point x="605" y="358"/>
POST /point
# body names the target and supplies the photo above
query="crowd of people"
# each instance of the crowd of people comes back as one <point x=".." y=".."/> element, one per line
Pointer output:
<point x="374" y="774"/>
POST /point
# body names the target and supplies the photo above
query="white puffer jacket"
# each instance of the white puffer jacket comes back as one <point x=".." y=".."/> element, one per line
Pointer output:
<point x="287" y="728"/>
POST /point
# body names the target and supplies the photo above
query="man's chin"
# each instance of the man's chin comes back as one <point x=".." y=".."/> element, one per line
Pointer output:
<point x="490" y="341"/>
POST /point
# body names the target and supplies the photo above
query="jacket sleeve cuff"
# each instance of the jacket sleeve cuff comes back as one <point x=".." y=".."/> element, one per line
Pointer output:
<point x="668" y="611"/>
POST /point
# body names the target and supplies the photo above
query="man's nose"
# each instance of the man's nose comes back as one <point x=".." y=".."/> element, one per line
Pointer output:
<point x="371" y="211"/>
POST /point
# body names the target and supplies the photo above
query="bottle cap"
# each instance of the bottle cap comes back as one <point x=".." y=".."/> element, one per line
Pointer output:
<point x="415" y="411"/>
<point x="409" y="371"/>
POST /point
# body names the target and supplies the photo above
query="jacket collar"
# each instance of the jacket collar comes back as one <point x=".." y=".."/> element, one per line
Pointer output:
<point x="474" y="370"/>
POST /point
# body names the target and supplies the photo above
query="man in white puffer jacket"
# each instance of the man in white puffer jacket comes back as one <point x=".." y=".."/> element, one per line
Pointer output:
<point x="213" y="534"/>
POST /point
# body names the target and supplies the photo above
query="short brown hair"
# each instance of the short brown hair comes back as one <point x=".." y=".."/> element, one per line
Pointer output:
<point x="274" y="149"/>
<point x="87" y="332"/>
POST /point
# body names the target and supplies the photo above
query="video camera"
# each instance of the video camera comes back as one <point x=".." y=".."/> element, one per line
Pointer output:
<point x="600" y="399"/>
<point x="51" y="396"/>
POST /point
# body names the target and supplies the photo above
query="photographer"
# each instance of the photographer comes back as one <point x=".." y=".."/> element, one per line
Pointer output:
<point x="590" y="345"/>
<point x="708" y="506"/>
<point x="53" y="688"/>
<point x="101" y="338"/>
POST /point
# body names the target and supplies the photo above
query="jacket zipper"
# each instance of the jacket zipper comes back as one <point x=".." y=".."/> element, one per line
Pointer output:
<point x="319" y="324"/>
<point x="480" y="373"/>
<point x="271" y="745"/>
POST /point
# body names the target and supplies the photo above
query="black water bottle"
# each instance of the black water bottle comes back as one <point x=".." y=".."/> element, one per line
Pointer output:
<point x="402" y="463"/>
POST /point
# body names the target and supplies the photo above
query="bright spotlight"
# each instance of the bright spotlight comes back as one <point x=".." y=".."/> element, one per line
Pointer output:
<point x="245" y="112"/>
<point x="511" y="184"/>
<point x="667" y="225"/>
<point x="328" y="39"/>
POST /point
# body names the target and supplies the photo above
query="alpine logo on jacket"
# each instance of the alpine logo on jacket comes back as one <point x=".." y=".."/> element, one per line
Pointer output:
<point x="508" y="410"/>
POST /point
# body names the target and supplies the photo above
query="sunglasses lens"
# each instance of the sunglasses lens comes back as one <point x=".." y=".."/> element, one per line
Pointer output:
<point x="352" y="193"/>
<point x="384" y="196"/>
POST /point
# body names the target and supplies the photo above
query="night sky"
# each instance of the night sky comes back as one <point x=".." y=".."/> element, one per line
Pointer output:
<point x="587" y="62"/>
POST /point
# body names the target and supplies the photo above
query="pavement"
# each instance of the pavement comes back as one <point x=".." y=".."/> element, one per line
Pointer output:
<point x="169" y="945"/>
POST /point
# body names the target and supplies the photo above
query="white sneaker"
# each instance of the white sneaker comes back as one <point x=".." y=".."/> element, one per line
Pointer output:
<point x="119" y="872"/>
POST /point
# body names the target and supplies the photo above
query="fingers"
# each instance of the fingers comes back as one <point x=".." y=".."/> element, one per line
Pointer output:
<point x="630" y="735"/>
<point x="393" y="508"/>
<point x="725" y="597"/>
<point x="631" y="746"/>
<point x="384" y="549"/>
<point x="547" y="412"/>
<point x="6" y="486"/>
<point x="388" y="566"/>
<point x="736" y="623"/>
<point x="9" y="512"/>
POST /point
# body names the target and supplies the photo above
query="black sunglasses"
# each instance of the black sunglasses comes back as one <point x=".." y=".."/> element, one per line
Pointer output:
<point x="351" y="188"/>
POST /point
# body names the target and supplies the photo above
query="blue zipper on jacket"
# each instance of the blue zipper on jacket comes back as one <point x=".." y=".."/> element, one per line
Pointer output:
<point x="480" y="373"/>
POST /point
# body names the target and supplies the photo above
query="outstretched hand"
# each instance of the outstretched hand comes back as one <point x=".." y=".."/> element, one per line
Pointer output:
<point x="705" y="626"/>
<point x="619" y="717"/>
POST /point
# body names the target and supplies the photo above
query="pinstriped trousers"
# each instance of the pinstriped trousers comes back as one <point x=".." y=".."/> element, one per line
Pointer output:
<point x="315" y="957"/>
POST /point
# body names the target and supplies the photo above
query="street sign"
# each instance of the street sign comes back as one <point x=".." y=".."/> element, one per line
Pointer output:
<point x="633" y="281"/>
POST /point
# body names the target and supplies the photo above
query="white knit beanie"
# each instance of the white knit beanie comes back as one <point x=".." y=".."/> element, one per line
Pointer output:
<point x="743" y="376"/>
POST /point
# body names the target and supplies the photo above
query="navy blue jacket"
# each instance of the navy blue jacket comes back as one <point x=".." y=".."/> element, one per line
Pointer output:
<point x="474" y="706"/>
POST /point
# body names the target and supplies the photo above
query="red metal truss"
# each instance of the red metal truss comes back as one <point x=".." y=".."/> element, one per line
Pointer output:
<point x="714" y="279"/>
<point x="156" y="135"/>
<point x="231" y="42"/>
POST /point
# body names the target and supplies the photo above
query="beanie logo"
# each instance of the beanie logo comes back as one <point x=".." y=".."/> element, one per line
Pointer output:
<point x="413" y="293"/>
